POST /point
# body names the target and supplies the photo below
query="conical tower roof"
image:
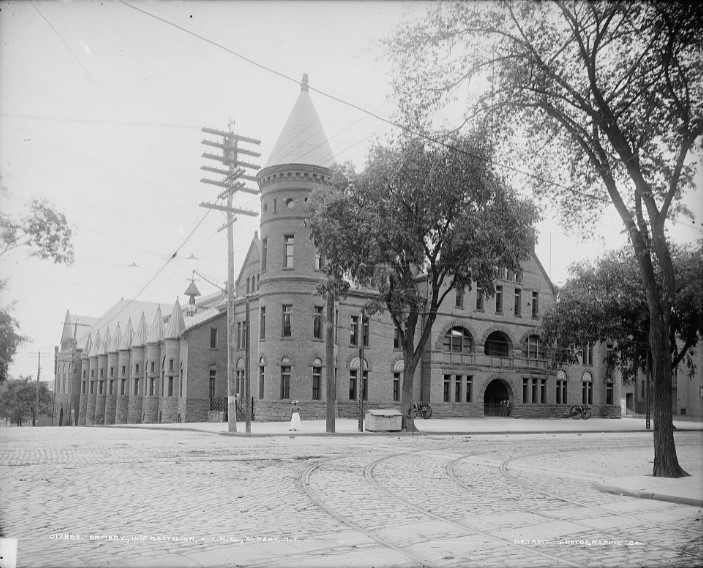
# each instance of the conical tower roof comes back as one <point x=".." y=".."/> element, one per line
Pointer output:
<point x="302" y="140"/>
<point x="176" y="324"/>
<point x="156" y="332"/>
<point x="141" y="333"/>
<point x="126" y="342"/>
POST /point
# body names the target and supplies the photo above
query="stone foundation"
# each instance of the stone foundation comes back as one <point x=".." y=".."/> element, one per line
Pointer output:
<point x="90" y="416"/>
<point x="150" y="410"/>
<point x="122" y="406"/>
<point x="134" y="409"/>
<point x="100" y="409"/>
<point x="169" y="409"/>
<point x="110" y="408"/>
<point x="83" y="410"/>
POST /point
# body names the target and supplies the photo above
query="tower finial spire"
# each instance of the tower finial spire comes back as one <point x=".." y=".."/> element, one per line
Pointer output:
<point x="304" y="82"/>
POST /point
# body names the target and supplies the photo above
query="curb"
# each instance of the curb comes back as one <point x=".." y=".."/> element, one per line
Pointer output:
<point x="606" y="488"/>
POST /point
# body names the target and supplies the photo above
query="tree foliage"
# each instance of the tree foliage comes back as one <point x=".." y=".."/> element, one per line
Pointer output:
<point x="10" y="340"/>
<point x="419" y="221"/>
<point x="43" y="230"/>
<point x="606" y="100"/>
<point x="603" y="301"/>
<point x="18" y="400"/>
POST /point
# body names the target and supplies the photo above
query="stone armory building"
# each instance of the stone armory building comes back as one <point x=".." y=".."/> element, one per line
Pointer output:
<point x="483" y="350"/>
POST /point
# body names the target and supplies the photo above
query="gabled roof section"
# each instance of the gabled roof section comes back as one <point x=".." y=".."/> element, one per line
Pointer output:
<point x="253" y="257"/>
<point x="302" y="140"/>
<point x="107" y="339"/>
<point x="67" y="332"/>
<point x="87" y="347"/>
<point x="116" y="339"/>
<point x="176" y="324"/>
<point x="156" y="331"/>
<point x="126" y="342"/>
<point x="141" y="333"/>
<point x="97" y="345"/>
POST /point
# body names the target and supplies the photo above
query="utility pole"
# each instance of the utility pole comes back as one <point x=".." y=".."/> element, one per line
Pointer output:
<point x="236" y="170"/>
<point x="247" y="376"/>
<point x="360" y="385"/>
<point x="329" y="366"/>
<point x="36" y="403"/>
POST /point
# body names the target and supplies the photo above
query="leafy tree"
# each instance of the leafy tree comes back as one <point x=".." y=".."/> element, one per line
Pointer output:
<point x="18" y="400"/>
<point x="418" y="222"/>
<point x="603" y="301"/>
<point x="10" y="340"/>
<point x="606" y="97"/>
<point x="43" y="230"/>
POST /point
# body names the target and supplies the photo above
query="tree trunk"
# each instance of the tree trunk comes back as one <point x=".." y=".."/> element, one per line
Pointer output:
<point x="666" y="463"/>
<point x="406" y="398"/>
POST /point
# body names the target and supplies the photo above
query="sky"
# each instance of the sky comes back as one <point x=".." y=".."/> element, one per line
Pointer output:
<point x="101" y="110"/>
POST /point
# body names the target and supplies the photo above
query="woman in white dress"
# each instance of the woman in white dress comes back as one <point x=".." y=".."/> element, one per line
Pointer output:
<point x="295" y="423"/>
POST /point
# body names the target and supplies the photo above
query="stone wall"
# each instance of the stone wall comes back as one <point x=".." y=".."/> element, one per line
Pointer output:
<point x="110" y="408"/>
<point x="134" y="409"/>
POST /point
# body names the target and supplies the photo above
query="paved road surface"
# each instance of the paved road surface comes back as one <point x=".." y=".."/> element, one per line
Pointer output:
<point x="131" y="497"/>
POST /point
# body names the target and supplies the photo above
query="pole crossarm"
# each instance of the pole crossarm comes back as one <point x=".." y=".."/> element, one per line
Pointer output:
<point x="229" y="135"/>
<point x="226" y="147"/>
<point x="234" y="210"/>
<point x="226" y="173"/>
<point x="226" y="160"/>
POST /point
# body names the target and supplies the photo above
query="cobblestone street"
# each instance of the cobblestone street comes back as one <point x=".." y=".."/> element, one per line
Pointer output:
<point x="133" y="497"/>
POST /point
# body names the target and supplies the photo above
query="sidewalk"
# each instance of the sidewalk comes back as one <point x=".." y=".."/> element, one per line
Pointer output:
<point x="435" y="426"/>
<point x="685" y="490"/>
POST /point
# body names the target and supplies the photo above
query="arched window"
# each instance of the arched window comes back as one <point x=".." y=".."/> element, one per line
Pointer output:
<point x="497" y="345"/>
<point x="533" y="348"/>
<point x="458" y="340"/>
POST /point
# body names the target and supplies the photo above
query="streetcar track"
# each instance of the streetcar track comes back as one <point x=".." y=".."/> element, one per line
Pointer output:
<point x="368" y="473"/>
<point x="305" y="481"/>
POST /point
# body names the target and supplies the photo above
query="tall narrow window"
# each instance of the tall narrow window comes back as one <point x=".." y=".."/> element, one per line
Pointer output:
<point x="288" y="248"/>
<point x="525" y="391"/>
<point x="170" y="386"/>
<point x="354" y="331"/>
<point x="261" y="381"/>
<point x="317" y="323"/>
<point x="469" y="389"/>
<point x="499" y="299"/>
<point x="459" y="298"/>
<point x="535" y="383"/>
<point x="535" y="304"/>
<point x="609" y="393"/>
<point x="587" y="392"/>
<point x="316" y="380"/>
<point x="123" y="387"/>
<point x="180" y="382"/>
<point x="479" y="299"/>
<point x="287" y="330"/>
<point x="152" y="382"/>
<point x="447" y="387"/>
<point x="212" y="383"/>
<point x="264" y="253"/>
<point x="285" y="381"/>
<point x="396" y="338"/>
<point x="518" y="302"/>
<point x="396" y="387"/>
<point x="543" y="391"/>
<point x="262" y="322"/>
<point x="352" y="384"/>
<point x="457" y="388"/>
<point x="136" y="386"/>
<point x="365" y="319"/>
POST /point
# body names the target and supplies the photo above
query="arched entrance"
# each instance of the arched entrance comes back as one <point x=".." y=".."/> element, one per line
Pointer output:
<point x="498" y="398"/>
